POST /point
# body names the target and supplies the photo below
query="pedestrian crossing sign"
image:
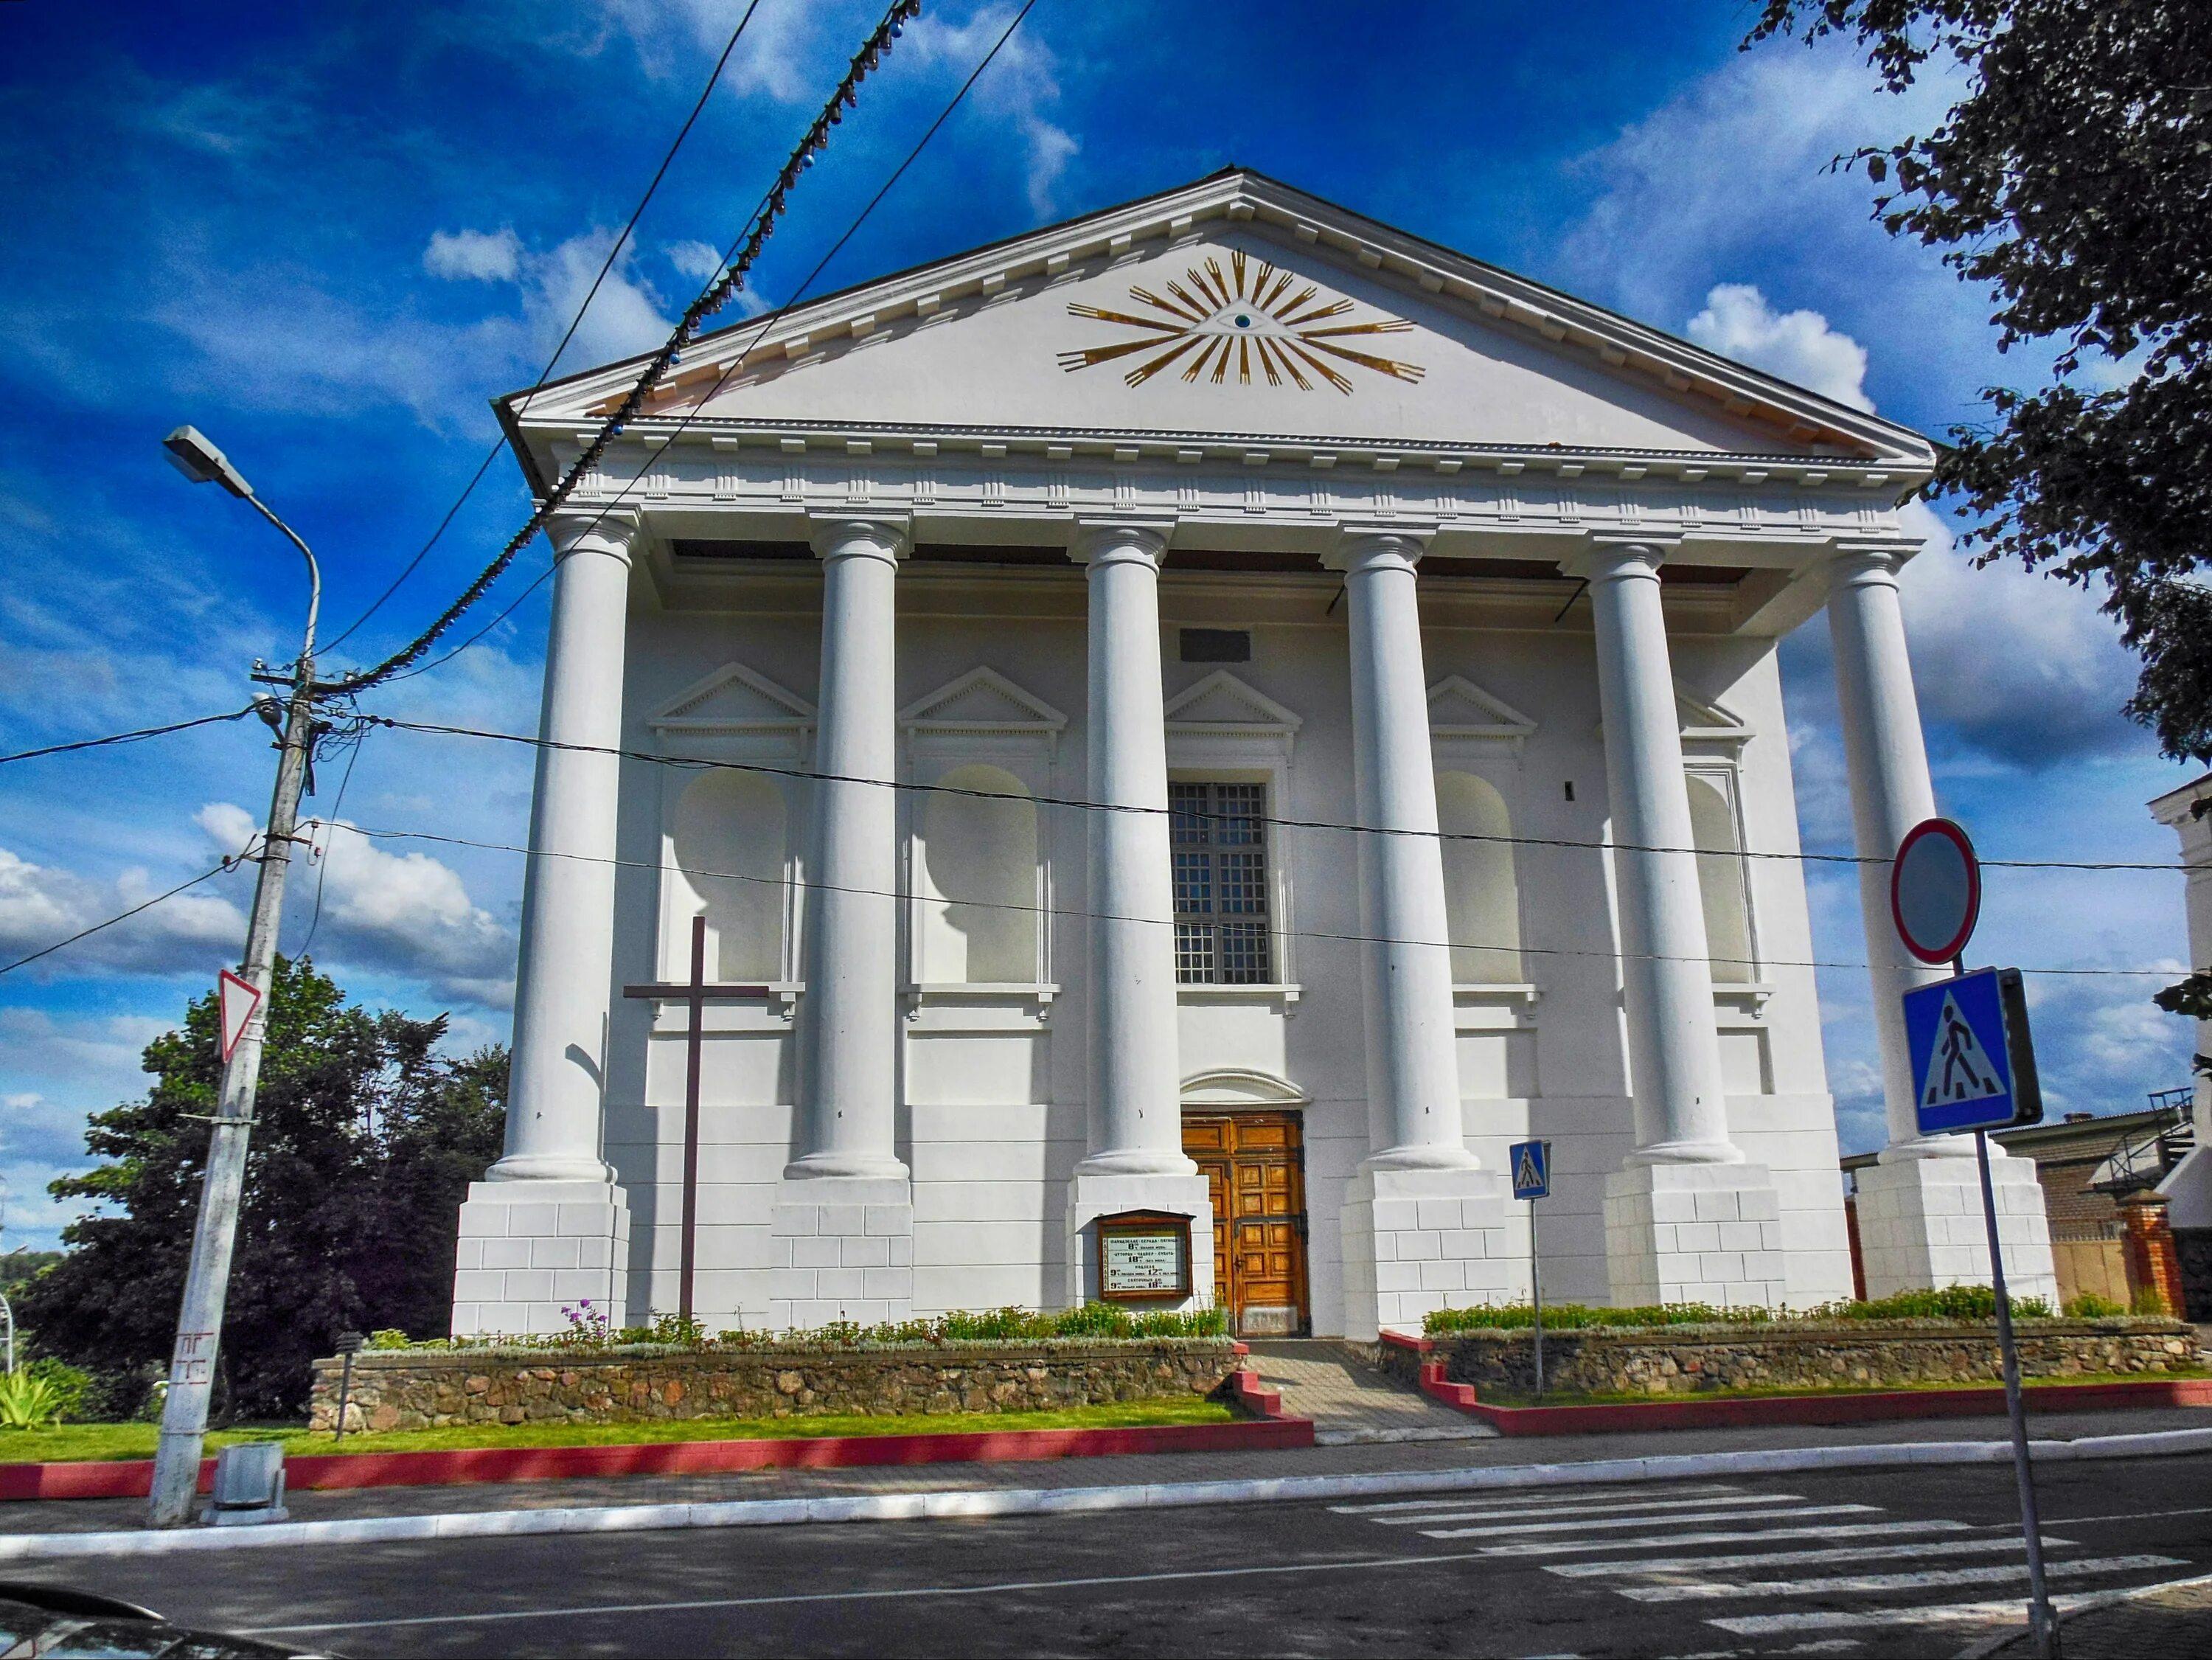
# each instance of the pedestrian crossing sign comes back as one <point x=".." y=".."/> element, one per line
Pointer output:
<point x="1973" y="1067"/>
<point x="1531" y="1163"/>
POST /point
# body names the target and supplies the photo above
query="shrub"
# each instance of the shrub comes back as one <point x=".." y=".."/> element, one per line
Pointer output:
<point x="2148" y="1301"/>
<point x="2090" y="1306"/>
<point x="1964" y="1302"/>
<point x="589" y="1329"/>
<point x="44" y="1392"/>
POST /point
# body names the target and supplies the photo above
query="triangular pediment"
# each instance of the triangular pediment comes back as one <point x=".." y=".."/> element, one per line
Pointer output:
<point x="982" y="699"/>
<point x="733" y="698"/>
<point x="1704" y="722"/>
<point x="1460" y="708"/>
<point x="1234" y="307"/>
<point x="1222" y="701"/>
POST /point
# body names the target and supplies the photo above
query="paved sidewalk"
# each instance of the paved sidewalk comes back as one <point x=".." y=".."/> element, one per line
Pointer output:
<point x="94" y="1515"/>
<point x="1351" y="1402"/>
<point x="2166" y="1622"/>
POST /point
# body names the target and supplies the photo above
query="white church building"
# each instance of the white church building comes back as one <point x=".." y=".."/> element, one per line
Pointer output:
<point x="1218" y="710"/>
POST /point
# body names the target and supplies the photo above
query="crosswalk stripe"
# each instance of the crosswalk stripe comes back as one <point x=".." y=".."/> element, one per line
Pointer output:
<point x="1662" y="1541"/>
<point x="2012" y="1611"/>
<point x="1496" y="1514"/>
<point x="1592" y="1524"/>
<point x="1837" y="1583"/>
<point x="1779" y="1558"/>
<point x="1563" y="1496"/>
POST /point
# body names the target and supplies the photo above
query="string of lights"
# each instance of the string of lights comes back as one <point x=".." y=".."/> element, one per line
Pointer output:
<point x="802" y="884"/>
<point x="707" y="763"/>
<point x="574" y="322"/>
<point x="760" y="327"/>
<point x="716" y="296"/>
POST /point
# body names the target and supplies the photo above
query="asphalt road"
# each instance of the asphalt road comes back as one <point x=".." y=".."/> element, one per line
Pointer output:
<point x="1885" y="1562"/>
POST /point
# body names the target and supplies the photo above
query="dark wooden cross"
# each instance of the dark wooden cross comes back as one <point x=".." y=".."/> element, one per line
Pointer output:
<point x="697" y="993"/>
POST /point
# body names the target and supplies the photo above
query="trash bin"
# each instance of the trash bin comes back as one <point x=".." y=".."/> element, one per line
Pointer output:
<point x="249" y="1485"/>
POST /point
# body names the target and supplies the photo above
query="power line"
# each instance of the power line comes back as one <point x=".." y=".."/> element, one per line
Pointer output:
<point x="1070" y="912"/>
<point x="763" y="325"/>
<point x="125" y="737"/>
<point x="707" y="764"/>
<point x="712" y="299"/>
<point x="124" y="916"/>
<point x="576" y="322"/>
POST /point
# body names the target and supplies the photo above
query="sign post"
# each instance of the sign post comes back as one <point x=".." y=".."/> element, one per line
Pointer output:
<point x="1532" y="1180"/>
<point x="1973" y="1068"/>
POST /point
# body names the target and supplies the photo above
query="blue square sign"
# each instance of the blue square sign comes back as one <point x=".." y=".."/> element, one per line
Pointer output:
<point x="1531" y="1164"/>
<point x="1973" y="1067"/>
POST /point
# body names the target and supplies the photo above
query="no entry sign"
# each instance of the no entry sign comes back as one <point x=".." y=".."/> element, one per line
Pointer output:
<point x="1934" y="891"/>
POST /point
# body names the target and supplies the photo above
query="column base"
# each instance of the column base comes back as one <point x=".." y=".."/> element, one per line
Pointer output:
<point x="840" y="1248"/>
<point x="1416" y="1240"/>
<point x="530" y="1250"/>
<point x="1693" y="1233"/>
<point x="1091" y="1196"/>
<point x="1920" y="1225"/>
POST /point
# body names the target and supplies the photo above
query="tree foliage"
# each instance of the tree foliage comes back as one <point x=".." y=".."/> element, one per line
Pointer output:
<point x="363" y="1144"/>
<point x="2074" y="177"/>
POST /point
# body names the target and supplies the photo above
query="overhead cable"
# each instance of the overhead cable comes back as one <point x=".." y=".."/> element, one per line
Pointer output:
<point x="123" y="917"/>
<point x="772" y="207"/>
<point x="711" y="764"/>
<point x="126" y="737"/>
<point x="546" y="374"/>
<point x="1073" y="913"/>
<point x="761" y="326"/>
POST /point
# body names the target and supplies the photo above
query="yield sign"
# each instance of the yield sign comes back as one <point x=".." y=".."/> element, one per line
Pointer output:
<point x="236" y="998"/>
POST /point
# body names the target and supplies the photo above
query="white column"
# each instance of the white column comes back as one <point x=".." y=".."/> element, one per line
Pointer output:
<point x="1134" y="1157"/>
<point x="841" y="1228"/>
<point x="1919" y="1210"/>
<point x="1685" y="1178"/>
<point x="1423" y="1226"/>
<point x="548" y="1227"/>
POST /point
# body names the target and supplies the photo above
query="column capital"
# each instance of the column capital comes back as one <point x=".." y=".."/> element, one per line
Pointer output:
<point x="1608" y="558"/>
<point x="1115" y="541"/>
<point x="1360" y="545"/>
<point x="1871" y="561"/>
<point x="843" y="535"/>
<point x="612" y="531"/>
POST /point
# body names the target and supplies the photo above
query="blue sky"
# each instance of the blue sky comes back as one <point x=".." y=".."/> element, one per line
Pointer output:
<point x="328" y="235"/>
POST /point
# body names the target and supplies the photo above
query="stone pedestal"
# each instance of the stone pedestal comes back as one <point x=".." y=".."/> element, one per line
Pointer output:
<point x="1694" y="1233"/>
<point x="529" y="1249"/>
<point x="1420" y="1239"/>
<point x="840" y="1247"/>
<point x="1093" y="1194"/>
<point x="1920" y="1225"/>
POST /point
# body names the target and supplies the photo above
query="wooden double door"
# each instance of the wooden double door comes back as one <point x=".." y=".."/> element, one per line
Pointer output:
<point x="1255" y="1176"/>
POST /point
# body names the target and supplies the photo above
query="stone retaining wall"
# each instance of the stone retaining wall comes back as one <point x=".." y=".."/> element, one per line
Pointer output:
<point x="422" y="1388"/>
<point x="1686" y="1359"/>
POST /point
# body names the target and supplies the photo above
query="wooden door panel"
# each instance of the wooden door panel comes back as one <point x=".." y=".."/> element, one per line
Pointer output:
<point x="1256" y="1181"/>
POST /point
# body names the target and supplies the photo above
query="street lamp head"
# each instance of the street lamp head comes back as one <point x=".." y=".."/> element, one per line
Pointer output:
<point x="193" y="455"/>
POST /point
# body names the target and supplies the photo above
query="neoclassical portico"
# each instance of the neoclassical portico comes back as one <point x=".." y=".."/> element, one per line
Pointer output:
<point x="1420" y="791"/>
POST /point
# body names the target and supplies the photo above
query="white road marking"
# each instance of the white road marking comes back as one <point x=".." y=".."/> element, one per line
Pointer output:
<point x="1948" y="1614"/>
<point x="1497" y="1513"/>
<point x="1661" y="1541"/>
<point x="1779" y="1558"/>
<point x="1838" y="1584"/>
<point x="599" y="1611"/>
<point x="1562" y="1497"/>
<point x="1586" y="1524"/>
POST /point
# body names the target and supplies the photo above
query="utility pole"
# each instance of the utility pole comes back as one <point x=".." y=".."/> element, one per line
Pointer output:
<point x="207" y="1283"/>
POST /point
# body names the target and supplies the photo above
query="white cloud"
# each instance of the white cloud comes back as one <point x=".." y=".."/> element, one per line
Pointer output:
<point x="1797" y="345"/>
<point x="1022" y="81"/>
<point x="700" y="261"/>
<point x="474" y="255"/>
<point x="42" y="904"/>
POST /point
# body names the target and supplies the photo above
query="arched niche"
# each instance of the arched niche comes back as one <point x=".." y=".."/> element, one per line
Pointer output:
<point x="1715" y="831"/>
<point x="976" y="863"/>
<point x="730" y="844"/>
<point x="1482" y="891"/>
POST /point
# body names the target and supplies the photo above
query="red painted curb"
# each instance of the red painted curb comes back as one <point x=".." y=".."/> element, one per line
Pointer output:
<point x="1256" y="1397"/>
<point x="133" y="1478"/>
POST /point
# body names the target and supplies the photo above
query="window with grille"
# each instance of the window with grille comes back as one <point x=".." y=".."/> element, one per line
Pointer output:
<point x="1220" y="838"/>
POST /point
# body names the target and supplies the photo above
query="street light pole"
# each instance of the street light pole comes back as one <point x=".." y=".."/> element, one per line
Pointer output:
<point x="207" y="1283"/>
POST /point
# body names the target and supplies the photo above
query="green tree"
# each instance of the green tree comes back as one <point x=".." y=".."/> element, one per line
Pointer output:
<point x="364" y="1141"/>
<point x="2074" y="177"/>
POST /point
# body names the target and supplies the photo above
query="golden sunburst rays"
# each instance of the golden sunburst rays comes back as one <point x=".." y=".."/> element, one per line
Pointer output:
<point x="1218" y="321"/>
